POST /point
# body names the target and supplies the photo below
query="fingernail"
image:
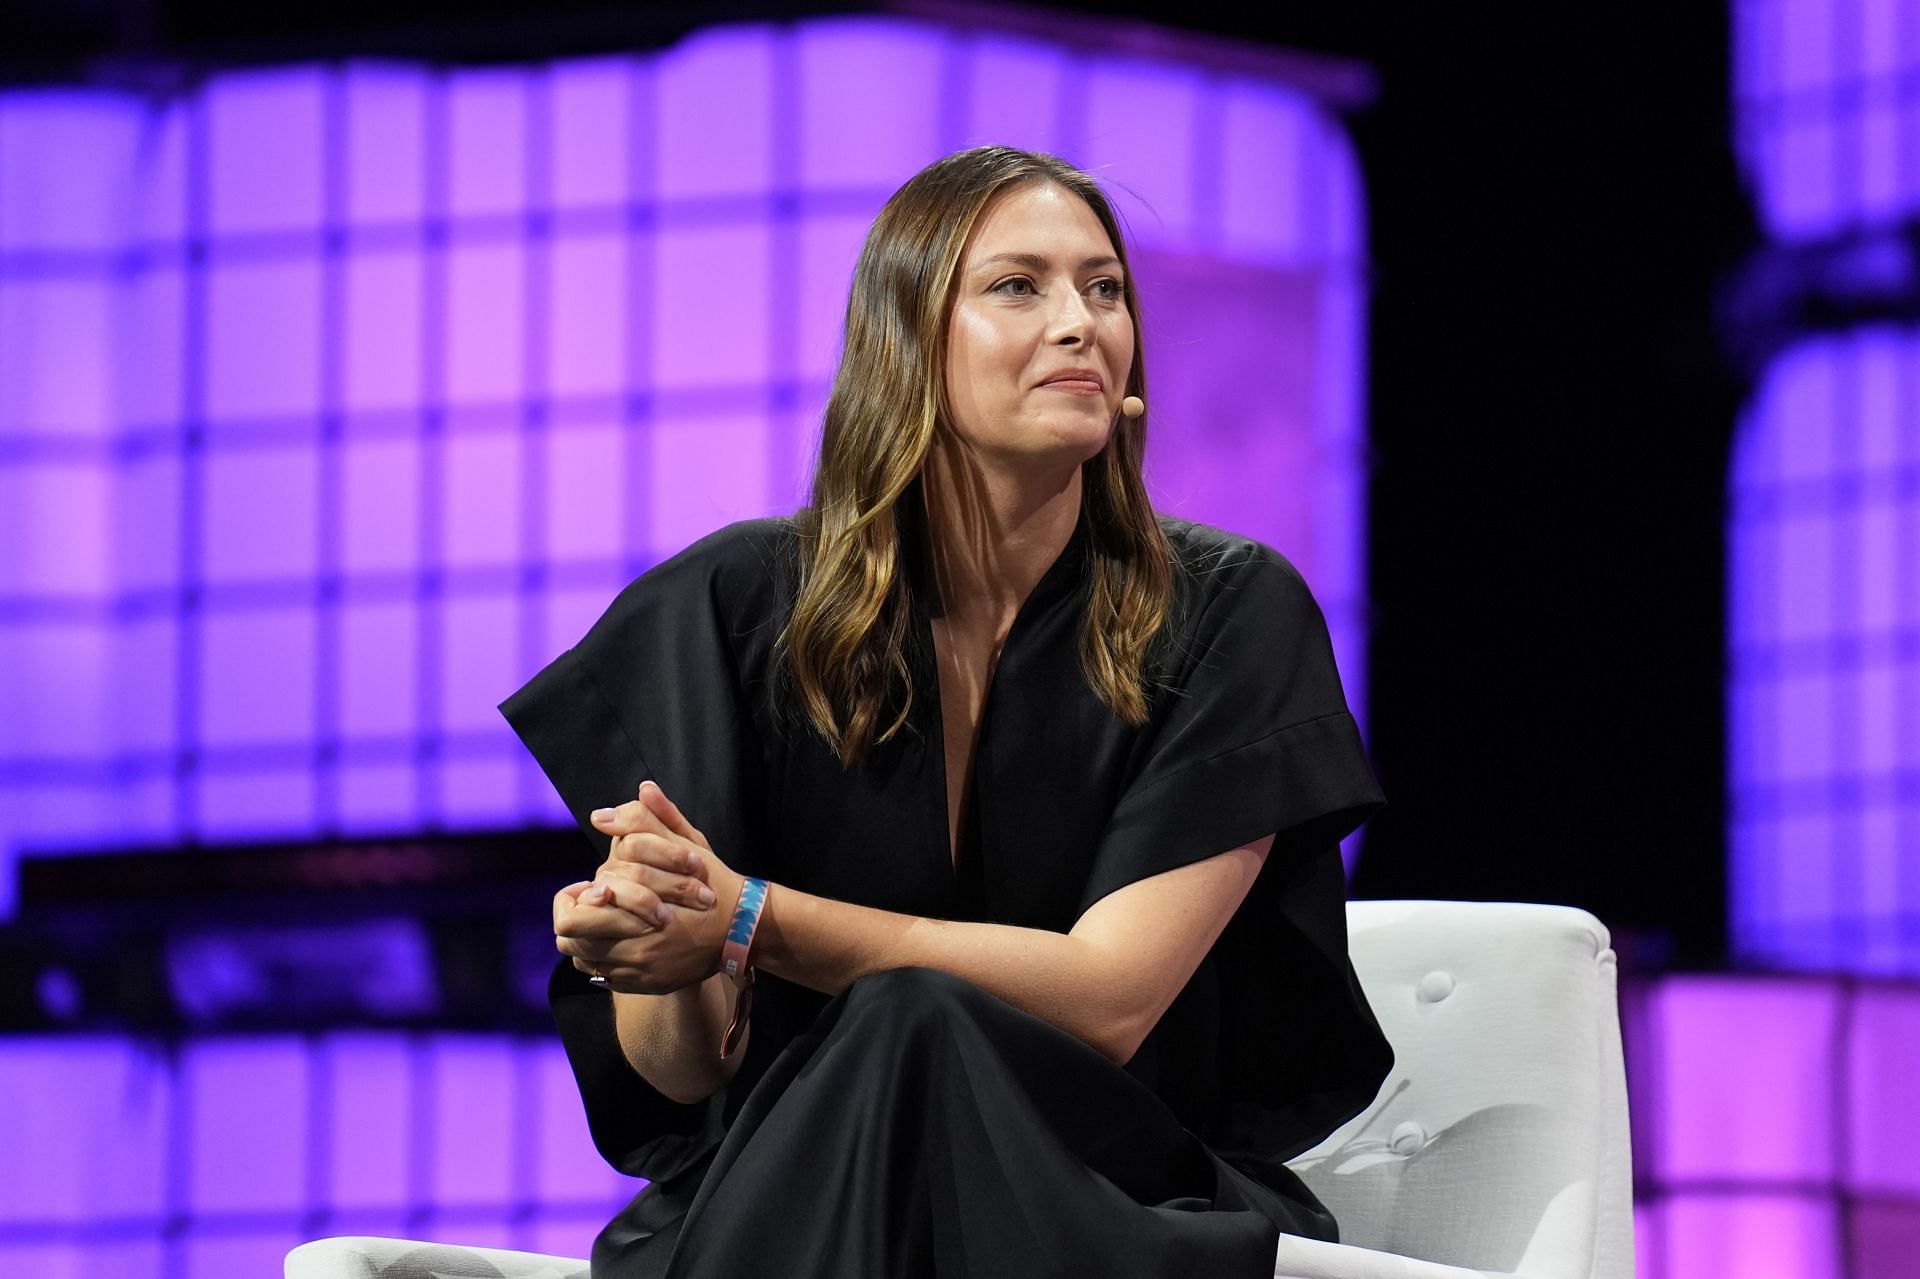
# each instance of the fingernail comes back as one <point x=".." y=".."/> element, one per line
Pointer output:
<point x="647" y="783"/>
<point x="602" y="814"/>
<point x="693" y="863"/>
<point x="664" y="914"/>
<point x="704" y="896"/>
<point x="596" y="895"/>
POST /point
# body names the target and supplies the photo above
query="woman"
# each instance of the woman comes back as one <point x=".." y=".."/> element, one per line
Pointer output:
<point x="1018" y="805"/>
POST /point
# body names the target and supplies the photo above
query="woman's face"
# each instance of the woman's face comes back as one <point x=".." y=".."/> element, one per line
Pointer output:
<point x="1040" y="342"/>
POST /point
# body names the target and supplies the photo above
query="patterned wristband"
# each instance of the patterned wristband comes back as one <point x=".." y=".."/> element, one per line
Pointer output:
<point x="746" y="918"/>
<point x="734" y="960"/>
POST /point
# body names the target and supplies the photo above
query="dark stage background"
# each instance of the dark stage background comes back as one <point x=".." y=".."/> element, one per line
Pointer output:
<point x="1552" y="202"/>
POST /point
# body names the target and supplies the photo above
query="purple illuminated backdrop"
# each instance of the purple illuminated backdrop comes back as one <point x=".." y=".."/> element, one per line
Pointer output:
<point x="303" y="378"/>
<point x="1777" y="1118"/>
<point x="1824" y="532"/>
<point x="335" y="400"/>
<point x="1774" y="1121"/>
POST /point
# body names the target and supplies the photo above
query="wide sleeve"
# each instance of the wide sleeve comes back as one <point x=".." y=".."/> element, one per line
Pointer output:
<point x="654" y="690"/>
<point x="1256" y="739"/>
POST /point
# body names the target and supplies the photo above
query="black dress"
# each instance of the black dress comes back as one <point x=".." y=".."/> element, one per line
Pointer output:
<point x="914" y="1124"/>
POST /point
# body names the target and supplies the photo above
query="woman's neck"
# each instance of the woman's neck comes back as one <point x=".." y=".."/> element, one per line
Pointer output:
<point x="994" y="534"/>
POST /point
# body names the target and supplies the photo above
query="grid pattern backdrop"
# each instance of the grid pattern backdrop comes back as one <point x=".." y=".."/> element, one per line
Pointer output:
<point x="1827" y="112"/>
<point x="1793" y="1157"/>
<point x="335" y="400"/>
<point x="215" y="1157"/>
<point x="1825" y="669"/>
<point x="1824" y="511"/>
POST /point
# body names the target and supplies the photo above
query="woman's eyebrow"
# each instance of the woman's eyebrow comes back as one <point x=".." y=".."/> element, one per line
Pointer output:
<point x="1036" y="262"/>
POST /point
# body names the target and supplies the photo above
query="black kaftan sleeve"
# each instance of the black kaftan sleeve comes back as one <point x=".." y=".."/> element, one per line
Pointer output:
<point x="656" y="689"/>
<point x="1255" y="739"/>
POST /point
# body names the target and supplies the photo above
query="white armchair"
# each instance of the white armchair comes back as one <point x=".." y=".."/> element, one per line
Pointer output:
<point x="1497" y="1147"/>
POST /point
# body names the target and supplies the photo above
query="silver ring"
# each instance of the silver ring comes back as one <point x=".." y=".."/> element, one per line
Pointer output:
<point x="597" y="980"/>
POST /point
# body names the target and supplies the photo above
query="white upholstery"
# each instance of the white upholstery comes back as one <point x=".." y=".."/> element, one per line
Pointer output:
<point x="364" y="1257"/>
<point x="1498" y="1145"/>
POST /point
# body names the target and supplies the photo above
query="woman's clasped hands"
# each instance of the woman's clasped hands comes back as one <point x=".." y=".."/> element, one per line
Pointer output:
<point x="654" y="917"/>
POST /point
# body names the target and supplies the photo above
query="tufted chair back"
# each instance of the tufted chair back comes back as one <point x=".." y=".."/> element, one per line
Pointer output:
<point x="1499" y="1143"/>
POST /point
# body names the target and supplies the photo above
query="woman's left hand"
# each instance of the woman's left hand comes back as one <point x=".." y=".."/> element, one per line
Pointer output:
<point x="653" y="843"/>
<point x="606" y="928"/>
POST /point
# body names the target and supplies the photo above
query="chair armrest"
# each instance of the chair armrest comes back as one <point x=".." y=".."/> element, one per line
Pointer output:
<point x="1313" y="1259"/>
<point x="367" y="1257"/>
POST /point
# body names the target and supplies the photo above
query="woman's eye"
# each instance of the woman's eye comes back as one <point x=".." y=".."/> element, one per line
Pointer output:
<point x="1109" y="290"/>
<point x="1018" y="286"/>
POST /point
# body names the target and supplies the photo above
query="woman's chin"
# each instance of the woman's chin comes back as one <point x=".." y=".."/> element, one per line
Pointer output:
<point x="1082" y="434"/>
<point x="1058" y="441"/>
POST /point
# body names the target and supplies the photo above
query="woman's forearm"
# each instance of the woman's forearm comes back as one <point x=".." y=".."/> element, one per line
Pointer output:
<point x="1107" y="982"/>
<point x="827" y="945"/>
<point x="673" y="1041"/>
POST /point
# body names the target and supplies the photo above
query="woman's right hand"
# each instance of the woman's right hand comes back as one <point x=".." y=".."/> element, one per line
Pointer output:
<point x="655" y="893"/>
<point x="613" y="929"/>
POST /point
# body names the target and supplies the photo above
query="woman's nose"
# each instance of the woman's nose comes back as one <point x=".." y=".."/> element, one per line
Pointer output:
<point x="1073" y="322"/>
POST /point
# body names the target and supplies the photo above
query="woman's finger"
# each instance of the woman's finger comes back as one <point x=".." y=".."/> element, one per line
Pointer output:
<point x="636" y="818"/>
<point x="583" y="947"/>
<point x="681" y="890"/>
<point x="667" y="852"/>
<point x="637" y="900"/>
<point x="669" y="812"/>
<point x="627" y="819"/>
<point x="652" y="811"/>
<point x="637" y="979"/>
<point x="648" y="849"/>
<point x="604" y="912"/>
<point x="565" y="900"/>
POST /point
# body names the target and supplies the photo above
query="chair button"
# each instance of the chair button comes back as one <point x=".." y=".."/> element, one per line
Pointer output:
<point x="1408" y="1139"/>
<point x="1435" y="987"/>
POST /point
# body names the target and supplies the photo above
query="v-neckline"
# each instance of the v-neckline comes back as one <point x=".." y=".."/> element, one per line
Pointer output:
<point x="956" y="835"/>
<point x="1060" y="577"/>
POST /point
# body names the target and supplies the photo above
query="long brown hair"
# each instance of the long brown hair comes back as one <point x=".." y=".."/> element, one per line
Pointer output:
<point x="846" y="643"/>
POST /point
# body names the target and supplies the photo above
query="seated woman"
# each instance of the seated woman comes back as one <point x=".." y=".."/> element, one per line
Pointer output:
<point x="1018" y="805"/>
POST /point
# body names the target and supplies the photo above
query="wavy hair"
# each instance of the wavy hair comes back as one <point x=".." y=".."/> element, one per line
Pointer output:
<point x="845" y="645"/>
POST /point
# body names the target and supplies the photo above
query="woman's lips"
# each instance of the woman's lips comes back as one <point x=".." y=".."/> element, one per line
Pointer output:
<point x="1075" y="383"/>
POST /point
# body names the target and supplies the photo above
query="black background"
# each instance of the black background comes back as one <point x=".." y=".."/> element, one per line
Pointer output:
<point x="1553" y="203"/>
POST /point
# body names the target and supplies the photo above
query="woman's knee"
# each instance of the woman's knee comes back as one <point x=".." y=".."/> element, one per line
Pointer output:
<point x="916" y="996"/>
